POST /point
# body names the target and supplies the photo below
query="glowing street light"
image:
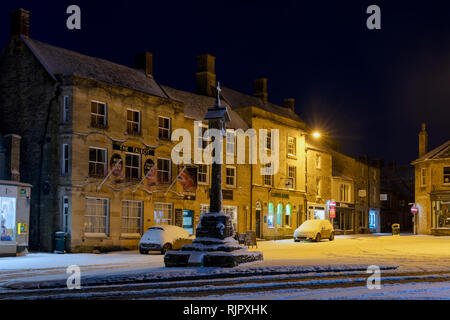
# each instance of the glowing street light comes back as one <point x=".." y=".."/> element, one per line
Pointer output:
<point x="316" y="134"/>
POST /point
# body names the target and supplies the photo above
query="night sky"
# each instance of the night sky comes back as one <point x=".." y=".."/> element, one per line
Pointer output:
<point x="370" y="89"/>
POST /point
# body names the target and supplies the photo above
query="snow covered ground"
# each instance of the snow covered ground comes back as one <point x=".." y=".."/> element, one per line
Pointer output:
<point x="409" y="252"/>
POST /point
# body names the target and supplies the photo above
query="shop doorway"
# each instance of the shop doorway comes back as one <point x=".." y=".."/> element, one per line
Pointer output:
<point x="188" y="221"/>
<point x="258" y="223"/>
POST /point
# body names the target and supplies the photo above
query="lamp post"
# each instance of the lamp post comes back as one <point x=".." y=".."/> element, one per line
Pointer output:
<point x="214" y="245"/>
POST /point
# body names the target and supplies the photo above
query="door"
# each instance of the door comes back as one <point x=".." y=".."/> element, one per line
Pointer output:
<point x="188" y="221"/>
<point x="258" y="223"/>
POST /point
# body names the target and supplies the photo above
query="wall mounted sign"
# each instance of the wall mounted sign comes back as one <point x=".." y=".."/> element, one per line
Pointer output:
<point x="145" y="151"/>
<point x="280" y="195"/>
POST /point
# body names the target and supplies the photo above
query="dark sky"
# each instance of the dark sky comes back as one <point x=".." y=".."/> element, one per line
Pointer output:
<point x="370" y="89"/>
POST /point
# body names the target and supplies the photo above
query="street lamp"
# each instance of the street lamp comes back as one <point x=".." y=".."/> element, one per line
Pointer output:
<point x="316" y="134"/>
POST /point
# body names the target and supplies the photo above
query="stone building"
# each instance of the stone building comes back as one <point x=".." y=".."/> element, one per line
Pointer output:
<point x="432" y="187"/>
<point x="97" y="145"/>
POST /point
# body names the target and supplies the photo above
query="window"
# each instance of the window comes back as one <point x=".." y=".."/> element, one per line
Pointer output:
<point x="65" y="214"/>
<point x="204" y="208"/>
<point x="133" y="121"/>
<point x="65" y="159"/>
<point x="269" y="140"/>
<point x="231" y="142"/>
<point x="133" y="166"/>
<point x="230" y="178"/>
<point x="423" y="176"/>
<point x="291" y="144"/>
<point x="446" y="174"/>
<point x="318" y="161"/>
<point x="287" y="216"/>
<point x="280" y="215"/>
<point x="164" y="128"/>
<point x="131" y="216"/>
<point x="202" y="141"/>
<point x="163" y="213"/>
<point x="97" y="162"/>
<point x="8" y="218"/>
<point x="344" y="193"/>
<point x="270" y="215"/>
<point x="163" y="169"/>
<point x="232" y="211"/>
<point x="65" y="110"/>
<point x="98" y="114"/>
<point x="96" y="218"/>
<point x="268" y="177"/>
<point x="319" y="186"/>
<point x="292" y="173"/>
<point x="203" y="174"/>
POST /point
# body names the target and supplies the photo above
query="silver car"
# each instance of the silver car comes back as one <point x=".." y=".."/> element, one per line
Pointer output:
<point x="314" y="230"/>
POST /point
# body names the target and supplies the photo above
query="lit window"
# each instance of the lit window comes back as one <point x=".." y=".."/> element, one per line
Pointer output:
<point x="133" y="121"/>
<point x="318" y="186"/>
<point x="344" y="193"/>
<point x="163" y="128"/>
<point x="270" y="215"/>
<point x="291" y="144"/>
<point x="131" y="216"/>
<point x="230" y="178"/>
<point x="292" y="173"/>
<point x="163" y="169"/>
<point x="280" y="215"/>
<point x="163" y="213"/>
<point x="269" y="140"/>
<point x="97" y="162"/>
<point x="96" y="218"/>
<point x="446" y="174"/>
<point x="287" y="216"/>
<point x="133" y="166"/>
<point x="98" y="114"/>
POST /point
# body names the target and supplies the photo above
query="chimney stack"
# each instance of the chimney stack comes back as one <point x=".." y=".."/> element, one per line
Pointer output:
<point x="423" y="141"/>
<point x="144" y="61"/>
<point x="19" y="23"/>
<point x="261" y="89"/>
<point x="205" y="76"/>
<point x="289" y="103"/>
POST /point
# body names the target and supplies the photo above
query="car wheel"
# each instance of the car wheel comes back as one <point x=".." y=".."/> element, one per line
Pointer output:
<point x="332" y="236"/>
<point x="166" y="248"/>
<point x="142" y="251"/>
<point x="296" y="240"/>
<point x="318" y="238"/>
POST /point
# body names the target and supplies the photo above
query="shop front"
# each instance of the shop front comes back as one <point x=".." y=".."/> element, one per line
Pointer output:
<point x="440" y="214"/>
<point x="14" y="217"/>
<point x="343" y="221"/>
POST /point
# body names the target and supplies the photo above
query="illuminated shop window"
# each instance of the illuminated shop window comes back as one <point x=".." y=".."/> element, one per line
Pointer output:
<point x="287" y="216"/>
<point x="270" y="215"/>
<point x="280" y="215"/>
<point x="7" y="218"/>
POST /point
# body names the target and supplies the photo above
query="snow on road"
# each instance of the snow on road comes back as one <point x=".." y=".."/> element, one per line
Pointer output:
<point x="410" y="252"/>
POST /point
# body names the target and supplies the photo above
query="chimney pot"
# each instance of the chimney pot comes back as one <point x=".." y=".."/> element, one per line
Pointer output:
<point x="289" y="103"/>
<point x="144" y="61"/>
<point x="206" y="76"/>
<point x="19" y="23"/>
<point x="261" y="89"/>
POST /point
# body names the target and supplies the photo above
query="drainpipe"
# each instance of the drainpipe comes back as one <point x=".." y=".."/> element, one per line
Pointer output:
<point x="41" y="161"/>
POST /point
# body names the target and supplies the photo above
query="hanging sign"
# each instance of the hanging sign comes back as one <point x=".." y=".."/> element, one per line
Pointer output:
<point x="414" y="209"/>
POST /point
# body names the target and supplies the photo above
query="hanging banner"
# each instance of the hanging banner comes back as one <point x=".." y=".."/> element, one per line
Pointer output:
<point x="188" y="180"/>
<point x="116" y="169"/>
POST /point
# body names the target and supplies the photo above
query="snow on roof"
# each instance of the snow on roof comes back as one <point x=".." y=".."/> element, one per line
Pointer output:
<point x="441" y="152"/>
<point x="62" y="61"/>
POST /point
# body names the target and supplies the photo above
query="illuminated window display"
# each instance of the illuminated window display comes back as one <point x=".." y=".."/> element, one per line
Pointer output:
<point x="441" y="214"/>
<point x="7" y="218"/>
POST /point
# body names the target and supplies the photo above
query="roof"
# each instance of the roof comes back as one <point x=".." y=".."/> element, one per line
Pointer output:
<point x="62" y="61"/>
<point x="441" y="152"/>
<point x="197" y="106"/>
<point x="239" y="100"/>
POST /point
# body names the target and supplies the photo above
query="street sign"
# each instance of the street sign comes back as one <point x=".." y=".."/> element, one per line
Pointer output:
<point x="332" y="204"/>
<point x="414" y="209"/>
<point x="332" y="212"/>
